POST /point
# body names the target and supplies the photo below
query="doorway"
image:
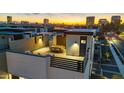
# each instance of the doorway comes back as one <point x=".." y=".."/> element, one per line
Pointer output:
<point x="83" y="44"/>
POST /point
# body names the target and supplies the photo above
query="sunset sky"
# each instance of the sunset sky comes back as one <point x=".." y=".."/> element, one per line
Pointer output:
<point x="68" y="18"/>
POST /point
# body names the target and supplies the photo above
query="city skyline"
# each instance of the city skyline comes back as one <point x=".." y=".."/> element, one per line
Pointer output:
<point x="67" y="18"/>
<point x="91" y="51"/>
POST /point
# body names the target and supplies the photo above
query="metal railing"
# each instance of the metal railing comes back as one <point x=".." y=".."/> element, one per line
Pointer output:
<point x="67" y="64"/>
<point x="118" y="53"/>
<point x="100" y="61"/>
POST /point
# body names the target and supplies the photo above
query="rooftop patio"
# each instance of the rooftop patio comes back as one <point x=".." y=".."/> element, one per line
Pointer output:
<point x="47" y="50"/>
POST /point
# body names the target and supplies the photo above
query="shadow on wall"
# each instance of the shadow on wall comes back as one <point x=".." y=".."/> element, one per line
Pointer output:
<point x="3" y="62"/>
<point x="27" y="44"/>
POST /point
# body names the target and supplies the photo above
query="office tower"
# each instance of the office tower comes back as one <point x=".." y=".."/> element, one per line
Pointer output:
<point x="115" y="23"/>
<point x="103" y="21"/>
<point x="116" y="20"/>
<point x="46" y="21"/>
<point x="104" y="25"/>
<point x="9" y="19"/>
<point x="90" y="21"/>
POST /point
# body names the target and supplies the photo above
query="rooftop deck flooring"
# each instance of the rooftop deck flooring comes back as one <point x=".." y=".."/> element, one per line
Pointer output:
<point x="46" y="50"/>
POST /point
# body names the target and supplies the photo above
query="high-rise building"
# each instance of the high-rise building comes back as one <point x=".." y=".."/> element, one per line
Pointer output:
<point x="90" y="21"/>
<point x="116" y="19"/>
<point x="103" y="21"/>
<point x="9" y="19"/>
<point x="115" y="23"/>
<point x="46" y="21"/>
<point x="104" y="25"/>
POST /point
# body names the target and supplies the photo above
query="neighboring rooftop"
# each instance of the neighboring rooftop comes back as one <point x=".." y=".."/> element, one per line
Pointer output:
<point x="15" y="29"/>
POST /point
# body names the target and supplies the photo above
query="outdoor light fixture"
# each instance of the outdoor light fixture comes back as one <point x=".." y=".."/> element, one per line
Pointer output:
<point x="40" y="39"/>
<point x="75" y="42"/>
<point x="83" y="41"/>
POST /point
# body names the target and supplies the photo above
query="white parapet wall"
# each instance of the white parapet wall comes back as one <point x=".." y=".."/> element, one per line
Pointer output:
<point x="27" y="66"/>
<point x="37" y="67"/>
<point x="26" y="44"/>
<point x="57" y="73"/>
<point x="89" y="57"/>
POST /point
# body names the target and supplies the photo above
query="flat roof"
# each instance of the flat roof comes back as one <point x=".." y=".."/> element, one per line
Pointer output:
<point x="81" y="30"/>
<point x="12" y="33"/>
<point x="15" y="29"/>
<point x="77" y="31"/>
<point x="21" y="24"/>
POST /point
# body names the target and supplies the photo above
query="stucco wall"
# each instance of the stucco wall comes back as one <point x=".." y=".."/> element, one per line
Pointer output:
<point x="57" y="73"/>
<point x="90" y="55"/>
<point x="34" y="67"/>
<point x="71" y="47"/>
<point x="26" y="44"/>
<point x="74" y="48"/>
<point x="27" y="66"/>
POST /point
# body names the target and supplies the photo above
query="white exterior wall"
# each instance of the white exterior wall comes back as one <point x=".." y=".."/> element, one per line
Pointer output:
<point x="87" y="71"/>
<point x="27" y="66"/>
<point x="89" y="64"/>
<point x="72" y="49"/>
<point x="57" y="73"/>
<point x="27" y="44"/>
<point x="34" y="67"/>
